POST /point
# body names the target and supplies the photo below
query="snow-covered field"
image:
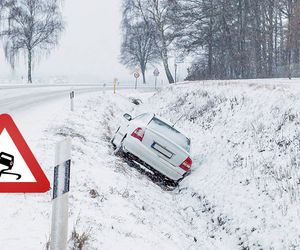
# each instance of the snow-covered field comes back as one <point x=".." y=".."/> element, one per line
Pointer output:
<point x="243" y="192"/>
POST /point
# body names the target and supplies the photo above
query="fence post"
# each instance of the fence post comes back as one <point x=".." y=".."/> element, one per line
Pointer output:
<point x="60" y="199"/>
<point x="72" y="95"/>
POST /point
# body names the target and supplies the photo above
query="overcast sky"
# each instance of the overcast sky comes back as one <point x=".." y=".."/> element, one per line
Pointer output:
<point x="89" y="47"/>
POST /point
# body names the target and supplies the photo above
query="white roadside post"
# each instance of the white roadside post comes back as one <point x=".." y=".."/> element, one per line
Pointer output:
<point x="60" y="199"/>
<point x="72" y="95"/>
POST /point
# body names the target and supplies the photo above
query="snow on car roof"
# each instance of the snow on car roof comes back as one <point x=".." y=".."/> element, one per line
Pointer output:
<point x="170" y="124"/>
<point x="163" y="120"/>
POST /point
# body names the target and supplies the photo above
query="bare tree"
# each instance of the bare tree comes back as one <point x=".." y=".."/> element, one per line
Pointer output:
<point x="138" y="48"/>
<point x="291" y="10"/>
<point x="160" y="14"/>
<point x="34" y="28"/>
<point x="239" y="38"/>
<point x="2" y="4"/>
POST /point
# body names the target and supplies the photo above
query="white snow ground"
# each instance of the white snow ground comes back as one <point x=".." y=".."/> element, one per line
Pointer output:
<point x="243" y="192"/>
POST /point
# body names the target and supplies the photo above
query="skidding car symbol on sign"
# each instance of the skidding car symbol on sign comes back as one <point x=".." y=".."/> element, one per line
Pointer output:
<point x="19" y="170"/>
<point x="8" y="161"/>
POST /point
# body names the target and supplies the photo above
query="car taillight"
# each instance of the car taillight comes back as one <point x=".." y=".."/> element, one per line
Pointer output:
<point x="138" y="134"/>
<point x="186" y="165"/>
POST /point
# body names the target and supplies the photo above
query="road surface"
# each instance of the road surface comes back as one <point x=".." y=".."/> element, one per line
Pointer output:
<point x="18" y="97"/>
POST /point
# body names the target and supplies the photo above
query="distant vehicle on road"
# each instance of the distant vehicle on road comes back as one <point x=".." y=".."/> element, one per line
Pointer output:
<point x="155" y="143"/>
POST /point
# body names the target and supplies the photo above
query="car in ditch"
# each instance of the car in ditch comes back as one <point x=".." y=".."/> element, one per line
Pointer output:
<point x="156" y="144"/>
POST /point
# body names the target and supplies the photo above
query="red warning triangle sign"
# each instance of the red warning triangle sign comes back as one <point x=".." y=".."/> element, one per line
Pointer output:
<point x="19" y="170"/>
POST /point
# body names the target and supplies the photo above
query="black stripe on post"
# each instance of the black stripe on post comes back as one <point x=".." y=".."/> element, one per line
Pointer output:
<point x="61" y="188"/>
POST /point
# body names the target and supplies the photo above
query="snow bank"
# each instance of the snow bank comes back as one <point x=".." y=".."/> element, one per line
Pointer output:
<point x="116" y="205"/>
<point x="243" y="192"/>
<point x="246" y="149"/>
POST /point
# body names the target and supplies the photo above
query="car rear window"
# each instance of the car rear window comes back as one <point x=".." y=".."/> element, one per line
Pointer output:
<point x="144" y="117"/>
<point x="170" y="132"/>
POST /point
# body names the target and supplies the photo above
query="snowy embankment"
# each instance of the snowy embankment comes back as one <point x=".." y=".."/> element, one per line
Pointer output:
<point x="246" y="146"/>
<point x="243" y="192"/>
<point x="112" y="205"/>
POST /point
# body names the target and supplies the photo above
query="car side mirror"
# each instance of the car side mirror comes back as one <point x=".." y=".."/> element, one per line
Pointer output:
<point x="127" y="117"/>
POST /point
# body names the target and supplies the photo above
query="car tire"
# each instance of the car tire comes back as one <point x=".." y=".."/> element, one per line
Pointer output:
<point x="171" y="183"/>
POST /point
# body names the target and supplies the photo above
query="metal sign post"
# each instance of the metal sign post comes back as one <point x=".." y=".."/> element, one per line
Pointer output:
<point x="136" y="75"/>
<point x="60" y="199"/>
<point x="72" y="95"/>
<point x="156" y="74"/>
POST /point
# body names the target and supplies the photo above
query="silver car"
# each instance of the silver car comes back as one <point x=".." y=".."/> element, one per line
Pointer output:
<point x="156" y="144"/>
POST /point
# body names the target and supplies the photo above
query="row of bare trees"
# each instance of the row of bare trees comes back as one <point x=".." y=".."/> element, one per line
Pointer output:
<point x="155" y="19"/>
<point x="31" y="28"/>
<point x="243" y="38"/>
<point x="225" y="38"/>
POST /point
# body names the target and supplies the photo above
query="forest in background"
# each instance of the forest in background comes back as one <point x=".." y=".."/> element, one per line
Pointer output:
<point x="226" y="39"/>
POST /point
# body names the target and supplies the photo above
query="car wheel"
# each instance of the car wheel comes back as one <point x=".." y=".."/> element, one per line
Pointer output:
<point x="164" y="180"/>
<point x="170" y="182"/>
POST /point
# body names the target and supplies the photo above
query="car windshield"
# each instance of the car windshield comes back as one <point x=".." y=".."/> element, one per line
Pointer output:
<point x="170" y="132"/>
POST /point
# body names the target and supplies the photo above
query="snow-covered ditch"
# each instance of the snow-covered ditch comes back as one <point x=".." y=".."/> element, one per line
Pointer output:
<point x="246" y="148"/>
<point x="243" y="192"/>
<point x="112" y="205"/>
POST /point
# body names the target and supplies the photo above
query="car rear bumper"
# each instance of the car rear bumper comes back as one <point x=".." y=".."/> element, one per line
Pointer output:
<point x="144" y="154"/>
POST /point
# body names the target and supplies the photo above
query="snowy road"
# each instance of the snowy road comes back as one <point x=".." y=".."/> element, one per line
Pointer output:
<point x="17" y="97"/>
<point x="20" y="100"/>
